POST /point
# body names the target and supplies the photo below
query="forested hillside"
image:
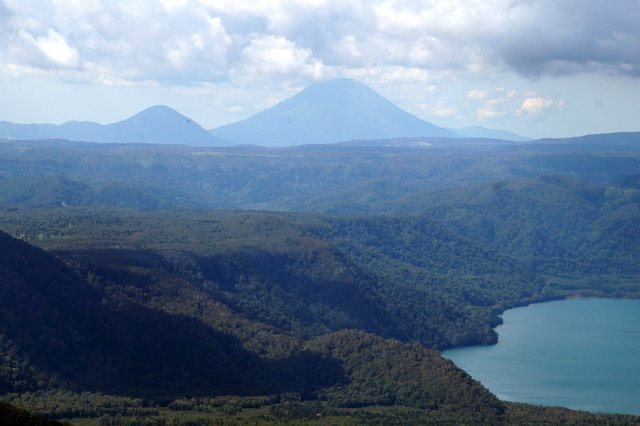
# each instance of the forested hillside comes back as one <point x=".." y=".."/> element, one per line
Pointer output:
<point x="557" y="226"/>
<point x="270" y="268"/>
<point x="185" y="343"/>
<point x="106" y="330"/>
<point x="357" y="177"/>
<point x="66" y="332"/>
<point x="124" y="293"/>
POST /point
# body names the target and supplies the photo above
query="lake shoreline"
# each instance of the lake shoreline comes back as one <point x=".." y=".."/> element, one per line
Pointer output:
<point x="518" y="359"/>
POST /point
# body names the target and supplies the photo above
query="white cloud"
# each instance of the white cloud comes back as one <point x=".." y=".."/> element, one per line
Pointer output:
<point x="57" y="50"/>
<point x="394" y="18"/>
<point x="346" y="50"/>
<point x="487" y="113"/>
<point x="444" y="110"/>
<point x="48" y="49"/>
<point x="493" y="103"/>
<point x="172" y="5"/>
<point x="477" y="94"/>
<point x="426" y="56"/>
<point x="206" y="47"/>
<point x="500" y="102"/>
<point x="533" y="108"/>
<point x="234" y="109"/>
<point x="391" y="75"/>
<point x="276" y="56"/>
<point x="199" y="40"/>
<point x="134" y="41"/>
<point x="510" y="94"/>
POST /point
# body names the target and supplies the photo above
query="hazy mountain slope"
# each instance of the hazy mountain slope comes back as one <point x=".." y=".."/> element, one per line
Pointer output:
<point x="24" y="131"/>
<point x="483" y="132"/>
<point x="76" y="131"/>
<point x="327" y="112"/>
<point x="598" y="142"/>
<point x="320" y="178"/>
<point x="157" y="124"/>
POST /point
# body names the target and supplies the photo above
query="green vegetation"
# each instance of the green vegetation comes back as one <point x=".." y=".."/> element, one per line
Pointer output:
<point x="113" y="311"/>
<point x="306" y="275"/>
<point x="373" y="178"/>
<point x="556" y="226"/>
<point x="191" y="294"/>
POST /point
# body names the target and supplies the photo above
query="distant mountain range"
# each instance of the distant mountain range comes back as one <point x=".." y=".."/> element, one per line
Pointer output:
<point x="326" y="112"/>
<point x="483" y="132"/>
<point x="157" y="124"/>
<point x="350" y="177"/>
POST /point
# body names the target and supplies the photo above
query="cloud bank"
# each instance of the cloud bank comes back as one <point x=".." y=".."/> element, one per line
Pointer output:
<point x="219" y="41"/>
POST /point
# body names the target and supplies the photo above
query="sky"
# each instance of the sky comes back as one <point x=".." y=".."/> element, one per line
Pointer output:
<point x="539" y="68"/>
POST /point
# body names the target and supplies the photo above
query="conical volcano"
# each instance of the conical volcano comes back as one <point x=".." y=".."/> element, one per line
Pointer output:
<point x="328" y="112"/>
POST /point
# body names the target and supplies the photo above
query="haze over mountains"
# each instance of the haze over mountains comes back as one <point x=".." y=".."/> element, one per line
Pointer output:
<point x="156" y="124"/>
<point x="483" y="132"/>
<point x="326" y="112"/>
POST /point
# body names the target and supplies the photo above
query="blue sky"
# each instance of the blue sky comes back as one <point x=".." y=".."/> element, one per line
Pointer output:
<point x="535" y="67"/>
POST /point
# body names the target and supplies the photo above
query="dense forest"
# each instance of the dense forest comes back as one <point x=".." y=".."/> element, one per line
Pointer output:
<point x="136" y="287"/>
<point x="356" y="177"/>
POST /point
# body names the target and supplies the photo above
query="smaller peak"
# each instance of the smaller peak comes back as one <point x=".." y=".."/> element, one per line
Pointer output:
<point x="158" y="112"/>
<point x="159" y="108"/>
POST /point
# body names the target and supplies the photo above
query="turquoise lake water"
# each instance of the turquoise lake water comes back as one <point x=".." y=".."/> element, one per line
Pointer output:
<point x="579" y="353"/>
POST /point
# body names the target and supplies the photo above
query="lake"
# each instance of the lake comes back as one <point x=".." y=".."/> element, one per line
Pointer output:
<point x="579" y="353"/>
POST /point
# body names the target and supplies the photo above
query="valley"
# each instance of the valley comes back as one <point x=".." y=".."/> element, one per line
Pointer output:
<point x="300" y="284"/>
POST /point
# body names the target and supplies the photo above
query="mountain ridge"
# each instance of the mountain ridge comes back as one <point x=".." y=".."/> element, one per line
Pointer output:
<point x="156" y="124"/>
<point x="484" y="132"/>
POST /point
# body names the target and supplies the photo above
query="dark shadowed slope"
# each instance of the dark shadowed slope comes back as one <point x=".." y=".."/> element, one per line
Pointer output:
<point x="327" y="112"/>
<point x="14" y="416"/>
<point x="59" y="330"/>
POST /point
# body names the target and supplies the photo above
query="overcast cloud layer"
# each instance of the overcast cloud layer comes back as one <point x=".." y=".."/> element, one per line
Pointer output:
<point x="280" y="46"/>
